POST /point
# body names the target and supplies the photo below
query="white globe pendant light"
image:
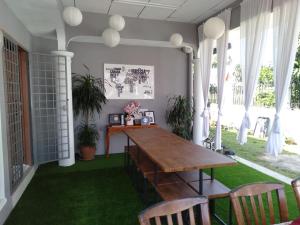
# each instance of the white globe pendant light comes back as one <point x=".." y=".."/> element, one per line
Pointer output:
<point x="117" y="22"/>
<point x="176" y="39"/>
<point x="111" y="37"/>
<point x="214" y="28"/>
<point x="72" y="15"/>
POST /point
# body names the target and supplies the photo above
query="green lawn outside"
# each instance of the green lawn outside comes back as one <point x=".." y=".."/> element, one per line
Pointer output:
<point x="253" y="150"/>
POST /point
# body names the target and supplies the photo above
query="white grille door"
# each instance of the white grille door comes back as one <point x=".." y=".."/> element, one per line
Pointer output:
<point x="49" y="107"/>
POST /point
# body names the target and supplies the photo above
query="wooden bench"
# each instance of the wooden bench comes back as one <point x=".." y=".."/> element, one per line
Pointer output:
<point x="211" y="188"/>
<point x="141" y="161"/>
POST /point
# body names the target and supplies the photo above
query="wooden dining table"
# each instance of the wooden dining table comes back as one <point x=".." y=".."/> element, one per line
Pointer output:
<point x="171" y="153"/>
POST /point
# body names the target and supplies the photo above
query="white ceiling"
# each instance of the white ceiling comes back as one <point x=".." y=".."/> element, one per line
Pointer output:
<point x="190" y="11"/>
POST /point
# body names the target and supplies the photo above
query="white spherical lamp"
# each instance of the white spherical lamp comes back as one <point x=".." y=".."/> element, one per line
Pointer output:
<point x="111" y="37"/>
<point x="176" y="39"/>
<point x="214" y="28"/>
<point x="72" y="16"/>
<point x="117" y="22"/>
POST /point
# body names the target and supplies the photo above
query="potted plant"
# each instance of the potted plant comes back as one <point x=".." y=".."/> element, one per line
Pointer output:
<point x="131" y="111"/>
<point x="180" y="116"/>
<point x="88" y="98"/>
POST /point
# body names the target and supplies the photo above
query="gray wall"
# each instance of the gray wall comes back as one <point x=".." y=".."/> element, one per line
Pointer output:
<point x="170" y="79"/>
<point x="170" y="64"/>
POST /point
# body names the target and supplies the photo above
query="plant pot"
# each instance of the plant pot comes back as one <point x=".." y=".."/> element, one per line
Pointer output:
<point x="129" y="122"/>
<point x="87" y="152"/>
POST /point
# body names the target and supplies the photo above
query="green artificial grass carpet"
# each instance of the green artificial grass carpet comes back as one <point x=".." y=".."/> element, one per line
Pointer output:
<point x="99" y="192"/>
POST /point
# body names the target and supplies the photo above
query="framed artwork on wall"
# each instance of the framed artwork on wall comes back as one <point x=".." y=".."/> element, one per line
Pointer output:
<point x="150" y="115"/>
<point x="129" y="81"/>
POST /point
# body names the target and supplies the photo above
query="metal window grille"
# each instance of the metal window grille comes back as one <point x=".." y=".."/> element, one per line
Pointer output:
<point x="13" y="111"/>
<point x="49" y="107"/>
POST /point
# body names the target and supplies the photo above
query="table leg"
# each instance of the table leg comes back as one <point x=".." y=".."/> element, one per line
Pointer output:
<point x="107" y="142"/>
<point x="200" y="182"/>
<point x="127" y="154"/>
<point x="230" y="213"/>
<point x="212" y="174"/>
<point x="155" y="175"/>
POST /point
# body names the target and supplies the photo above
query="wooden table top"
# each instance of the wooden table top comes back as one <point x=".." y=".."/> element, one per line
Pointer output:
<point x="173" y="153"/>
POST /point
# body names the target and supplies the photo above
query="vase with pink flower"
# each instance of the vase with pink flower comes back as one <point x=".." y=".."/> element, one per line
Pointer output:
<point x="131" y="110"/>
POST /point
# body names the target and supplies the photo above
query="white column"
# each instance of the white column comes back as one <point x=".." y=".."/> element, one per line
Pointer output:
<point x="198" y="105"/>
<point x="190" y="78"/>
<point x="71" y="160"/>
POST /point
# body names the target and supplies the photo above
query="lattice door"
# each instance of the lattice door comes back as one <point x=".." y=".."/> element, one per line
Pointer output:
<point x="49" y="107"/>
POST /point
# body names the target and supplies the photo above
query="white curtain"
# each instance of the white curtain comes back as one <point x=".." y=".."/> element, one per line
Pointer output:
<point x="286" y="26"/>
<point x="205" y="54"/>
<point x="255" y="20"/>
<point x="222" y="46"/>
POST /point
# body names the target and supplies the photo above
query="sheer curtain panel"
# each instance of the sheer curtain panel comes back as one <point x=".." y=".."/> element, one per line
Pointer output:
<point x="255" y="21"/>
<point x="222" y="46"/>
<point x="205" y="54"/>
<point x="286" y="26"/>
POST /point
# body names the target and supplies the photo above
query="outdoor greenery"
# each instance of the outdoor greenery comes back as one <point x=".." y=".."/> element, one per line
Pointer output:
<point x="100" y="192"/>
<point x="254" y="150"/>
<point x="88" y="98"/>
<point x="295" y="82"/>
<point x="179" y="116"/>
<point x="265" y="92"/>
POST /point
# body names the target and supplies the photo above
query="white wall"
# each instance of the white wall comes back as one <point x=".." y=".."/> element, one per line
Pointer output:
<point x="12" y="27"/>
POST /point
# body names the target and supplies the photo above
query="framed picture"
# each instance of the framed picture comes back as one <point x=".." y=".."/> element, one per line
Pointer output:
<point x="114" y="119"/>
<point x="129" y="81"/>
<point x="150" y="115"/>
<point x="145" y="120"/>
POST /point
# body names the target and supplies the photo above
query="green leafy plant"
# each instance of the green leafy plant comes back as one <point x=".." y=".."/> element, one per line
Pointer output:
<point x="266" y="76"/>
<point x="179" y="116"/>
<point x="265" y="94"/>
<point x="87" y="134"/>
<point x="88" y="98"/>
<point x="266" y="98"/>
<point x="295" y="81"/>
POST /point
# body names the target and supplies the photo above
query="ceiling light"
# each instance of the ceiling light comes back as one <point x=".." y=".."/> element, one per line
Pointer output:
<point x="176" y="39"/>
<point x="117" y="22"/>
<point x="111" y="37"/>
<point x="214" y="28"/>
<point x="72" y="15"/>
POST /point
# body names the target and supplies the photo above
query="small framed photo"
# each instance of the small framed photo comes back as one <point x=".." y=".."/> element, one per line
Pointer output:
<point x="145" y="120"/>
<point x="150" y="115"/>
<point x="114" y="119"/>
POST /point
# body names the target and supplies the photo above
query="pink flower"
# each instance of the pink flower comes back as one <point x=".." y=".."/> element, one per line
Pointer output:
<point x="132" y="108"/>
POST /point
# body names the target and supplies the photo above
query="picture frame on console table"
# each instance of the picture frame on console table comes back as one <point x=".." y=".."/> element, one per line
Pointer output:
<point x="151" y="116"/>
<point x="114" y="119"/>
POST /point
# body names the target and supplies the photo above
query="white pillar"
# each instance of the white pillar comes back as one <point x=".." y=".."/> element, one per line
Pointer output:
<point x="190" y="78"/>
<point x="198" y="104"/>
<point x="66" y="65"/>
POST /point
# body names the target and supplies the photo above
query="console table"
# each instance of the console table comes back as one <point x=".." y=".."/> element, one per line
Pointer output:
<point x="110" y="130"/>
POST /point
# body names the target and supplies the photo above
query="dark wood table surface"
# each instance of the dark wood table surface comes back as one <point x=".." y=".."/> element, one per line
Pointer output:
<point x="173" y="153"/>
